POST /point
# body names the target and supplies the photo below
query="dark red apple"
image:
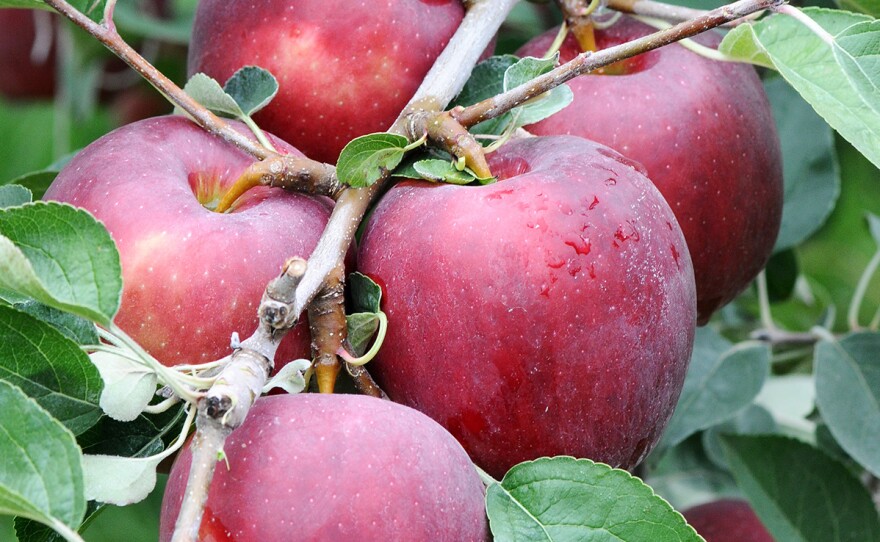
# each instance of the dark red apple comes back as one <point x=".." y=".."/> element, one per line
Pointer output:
<point x="345" y="69"/>
<point x="336" y="467"/>
<point x="727" y="520"/>
<point x="191" y="276"/>
<point x="27" y="53"/>
<point x="550" y="313"/>
<point x="705" y="133"/>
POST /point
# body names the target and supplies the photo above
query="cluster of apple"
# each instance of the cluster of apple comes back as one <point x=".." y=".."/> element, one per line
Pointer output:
<point x="550" y="313"/>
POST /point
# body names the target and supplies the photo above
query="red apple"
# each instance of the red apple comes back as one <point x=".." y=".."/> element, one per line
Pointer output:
<point x="727" y="520"/>
<point x="336" y="467"/>
<point x="705" y="133"/>
<point x="191" y="276"/>
<point x="550" y="313"/>
<point x="345" y="69"/>
<point x="27" y="53"/>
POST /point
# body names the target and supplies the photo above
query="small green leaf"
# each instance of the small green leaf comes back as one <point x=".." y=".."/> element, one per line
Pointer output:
<point x="208" y="92"/>
<point x="857" y="49"/>
<point x="486" y="80"/>
<point x="128" y="386"/>
<point x="12" y="195"/>
<point x="73" y="327"/>
<point x="50" y="368"/>
<point x="722" y="379"/>
<point x="848" y="395"/>
<point x="366" y="295"/>
<point x="810" y="169"/>
<point x="541" y="107"/>
<point x="62" y="257"/>
<point x="563" y="498"/>
<point x="252" y="88"/>
<point x="290" y="378"/>
<point x="801" y="494"/>
<point x="838" y="90"/>
<point x="361" y="328"/>
<point x="364" y="159"/>
<point x="41" y="471"/>
<point x="442" y="171"/>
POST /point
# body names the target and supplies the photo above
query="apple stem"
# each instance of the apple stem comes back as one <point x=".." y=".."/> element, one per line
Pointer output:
<point x="578" y="19"/>
<point x="328" y="328"/>
<point x="590" y="61"/>
<point x="446" y="133"/>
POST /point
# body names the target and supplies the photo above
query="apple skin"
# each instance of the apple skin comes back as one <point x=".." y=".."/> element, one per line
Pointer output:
<point x="191" y="276"/>
<point x="727" y="520"/>
<point x="344" y="68"/>
<point x="705" y="133"/>
<point x="551" y="313"/>
<point x="336" y="467"/>
<point x="25" y="76"/>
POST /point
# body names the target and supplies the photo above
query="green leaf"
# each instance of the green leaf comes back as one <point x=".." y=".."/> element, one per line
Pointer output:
<point x="811" y="64"/>
<point x="50" y="368"/>
<point x="62" y="257"/>
<point x="41" y="471"/>
<point x="857" y="49"/>
<point x="848" y="394"/>
<point x="361" y="328"/>
<point x="73" y="327"/>
<point x="536" y="109"/>
<point x="754" y="420"/>
<point x="252" y="88"/>
<point x="366" y="295"/>
<point x="563" y="498"/>
<point x="12" y="195"/>
<point x="722" y="380"/>
<point x="800" y="493"/>
<point x="486" y="80"/>
<point x="442" y="171"/>
<point x="868" y="7"/>
<point x="810" y="169"/>
<point x="128" y="385"/>
<point x="364" y="159"/>
<point x="208" y="92"/>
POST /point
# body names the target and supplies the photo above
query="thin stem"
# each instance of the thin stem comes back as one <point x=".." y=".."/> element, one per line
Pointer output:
<point x="764" y="302"/>
<point x="107" y="35"/>
<point x="162" y="406"/>
<point x="805" y="20"/>
<point x="861" y="288"/>
<point x="485" y="477"/>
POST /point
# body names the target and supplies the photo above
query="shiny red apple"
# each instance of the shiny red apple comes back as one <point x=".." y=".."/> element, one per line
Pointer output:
<point x="191" y="276"/>
<point x="550" y="313"/>
<point x="345" y="69"/>
<point x="704" y="131"/>
<point x="336" y="467"/>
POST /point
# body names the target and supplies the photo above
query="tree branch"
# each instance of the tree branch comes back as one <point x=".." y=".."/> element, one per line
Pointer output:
<point x="589" y="61"/>
<point x="669" y="12"/>
<point x="328" y="328"/>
